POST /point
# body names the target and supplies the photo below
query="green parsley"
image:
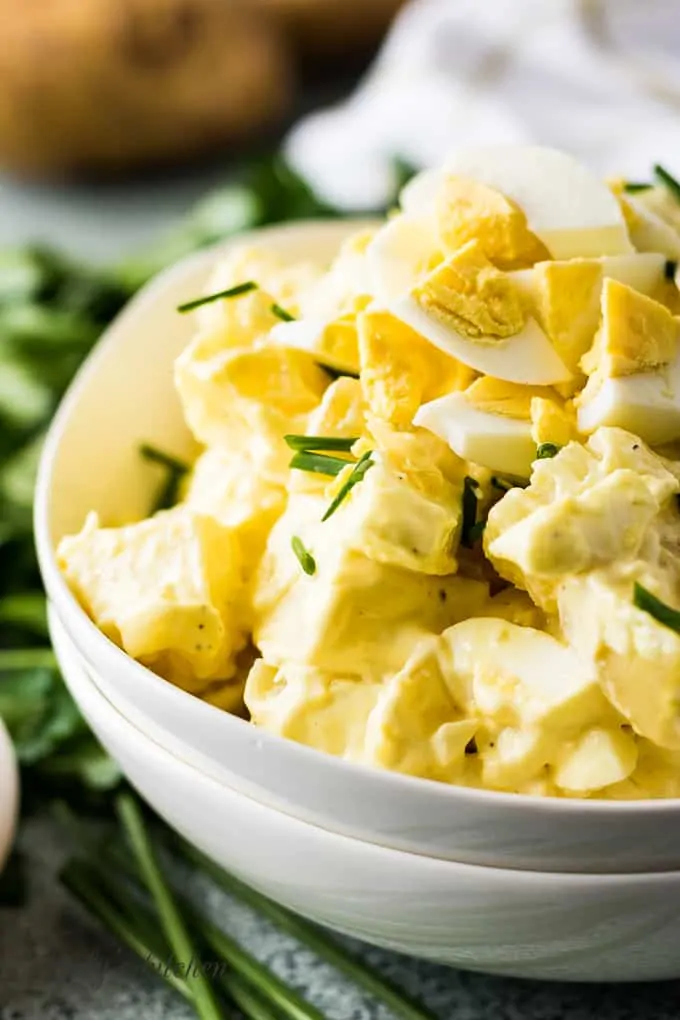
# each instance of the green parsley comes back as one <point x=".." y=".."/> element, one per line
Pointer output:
<point x="308" y="443"/>
<point x="547" y="450"/>
<point x="670" y="269"/>
<point x="358" y="473"/>
<point x="631" y="187"/>
<point x="318" y="463"/>
<point x="231" y="292"/>
<point x="469" y="512"/>
<point x="663" y="177"/>
<point x="281" y="313"/>
<point x="643" y="599"/>
<point x="305" y="558"/>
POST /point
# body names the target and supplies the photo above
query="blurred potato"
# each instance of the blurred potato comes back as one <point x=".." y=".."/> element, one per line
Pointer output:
<point x="324" y="26"/>
<point x="92" y="87"/>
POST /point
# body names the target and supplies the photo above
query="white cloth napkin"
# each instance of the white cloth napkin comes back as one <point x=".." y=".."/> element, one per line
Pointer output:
<point x="599" y="78"/>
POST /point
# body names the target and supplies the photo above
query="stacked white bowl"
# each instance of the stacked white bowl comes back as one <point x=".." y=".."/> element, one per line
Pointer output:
<point x="531" y="887"/>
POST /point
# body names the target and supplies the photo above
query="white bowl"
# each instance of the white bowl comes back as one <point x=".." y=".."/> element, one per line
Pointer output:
<point x="124" y="394"/>
<point x="519" y="923"/>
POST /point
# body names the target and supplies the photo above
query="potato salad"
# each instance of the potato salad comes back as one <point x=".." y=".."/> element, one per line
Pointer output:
<point x="434" y="526"/>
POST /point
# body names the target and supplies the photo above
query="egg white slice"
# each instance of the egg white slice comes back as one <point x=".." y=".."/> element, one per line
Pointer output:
<point x="646" y="404"/>
<point x="650" y="233"/>
<point x="398" y="255"/>
<point x="572" y="212"/>
<point x="494" y="441"/>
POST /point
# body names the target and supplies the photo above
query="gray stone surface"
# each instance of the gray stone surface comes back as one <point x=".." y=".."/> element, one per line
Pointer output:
<point x="56" y="964"/>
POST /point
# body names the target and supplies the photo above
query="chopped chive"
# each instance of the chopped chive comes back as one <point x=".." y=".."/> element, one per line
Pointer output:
<point x="305" y="558"/>
<point x="157" y="456"/>
<point x="177" y="469"/>
<point x="643" y="599"/>
<point x="358" y="472"/>
<point x="231" y="292"/>
<point x="338" y="373"/>
<point x="547" y="450"/>
<point x="281" y="313"/>
<point x="314" y="443"/>
<point x="317" y="463"/>
<point x="664" y="177"/>
<point x="476" y="531"/>
<point x="502" y="484"/>
<point x="670" y="269"/>
<point x="171" y="921"/>
<point x="469" y="512"/>
<point x="633" y="186"/>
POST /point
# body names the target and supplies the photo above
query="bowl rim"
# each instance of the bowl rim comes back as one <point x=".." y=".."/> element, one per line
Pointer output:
<point x="113" y="659"/>
<point x="129" y="731"/>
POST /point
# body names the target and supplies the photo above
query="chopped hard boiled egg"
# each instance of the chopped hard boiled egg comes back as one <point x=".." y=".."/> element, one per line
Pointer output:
<point x="400" y="259"/>
<point x="400" y="370"/>
<point x="233" y="487"/>
<point x="231" y="396"/>
<point x="571" y="212"/>
<point x="334" y="344"/>
<point x="497" y="441"/>
<point x="634" y="368"/>
<point x="357" y="597"/>
<point x="565" y="296"/>
<point x="167" y="590"/>
<point x="599" y="758"/>
<point x="636" y="656"/>
<point x="587" y="507"/>
<point x="497" y="424"/>
<point x="325" y="710"/>
<point x="649" y="232"/>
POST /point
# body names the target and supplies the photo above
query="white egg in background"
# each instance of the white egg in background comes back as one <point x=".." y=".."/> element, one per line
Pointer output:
<point x="9" y="794"/>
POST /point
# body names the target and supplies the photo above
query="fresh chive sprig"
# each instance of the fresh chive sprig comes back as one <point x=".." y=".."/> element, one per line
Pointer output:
<point x="325" y="947"/>
<point x="304" y="557"/>
<point x="281" y="313"/>
<point x="319" y="443"/>
<point x="665" y="614"/>
<point x="172" y="922"/>
<point x="357" y="475"/>
<point x="547" y="450"/>
<point x="219" y="295"/>
<point x="318" y="463"/>
<point x="168" y="493"/>
<point x="667" y="179"/>
<point x="469" y="512"/>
